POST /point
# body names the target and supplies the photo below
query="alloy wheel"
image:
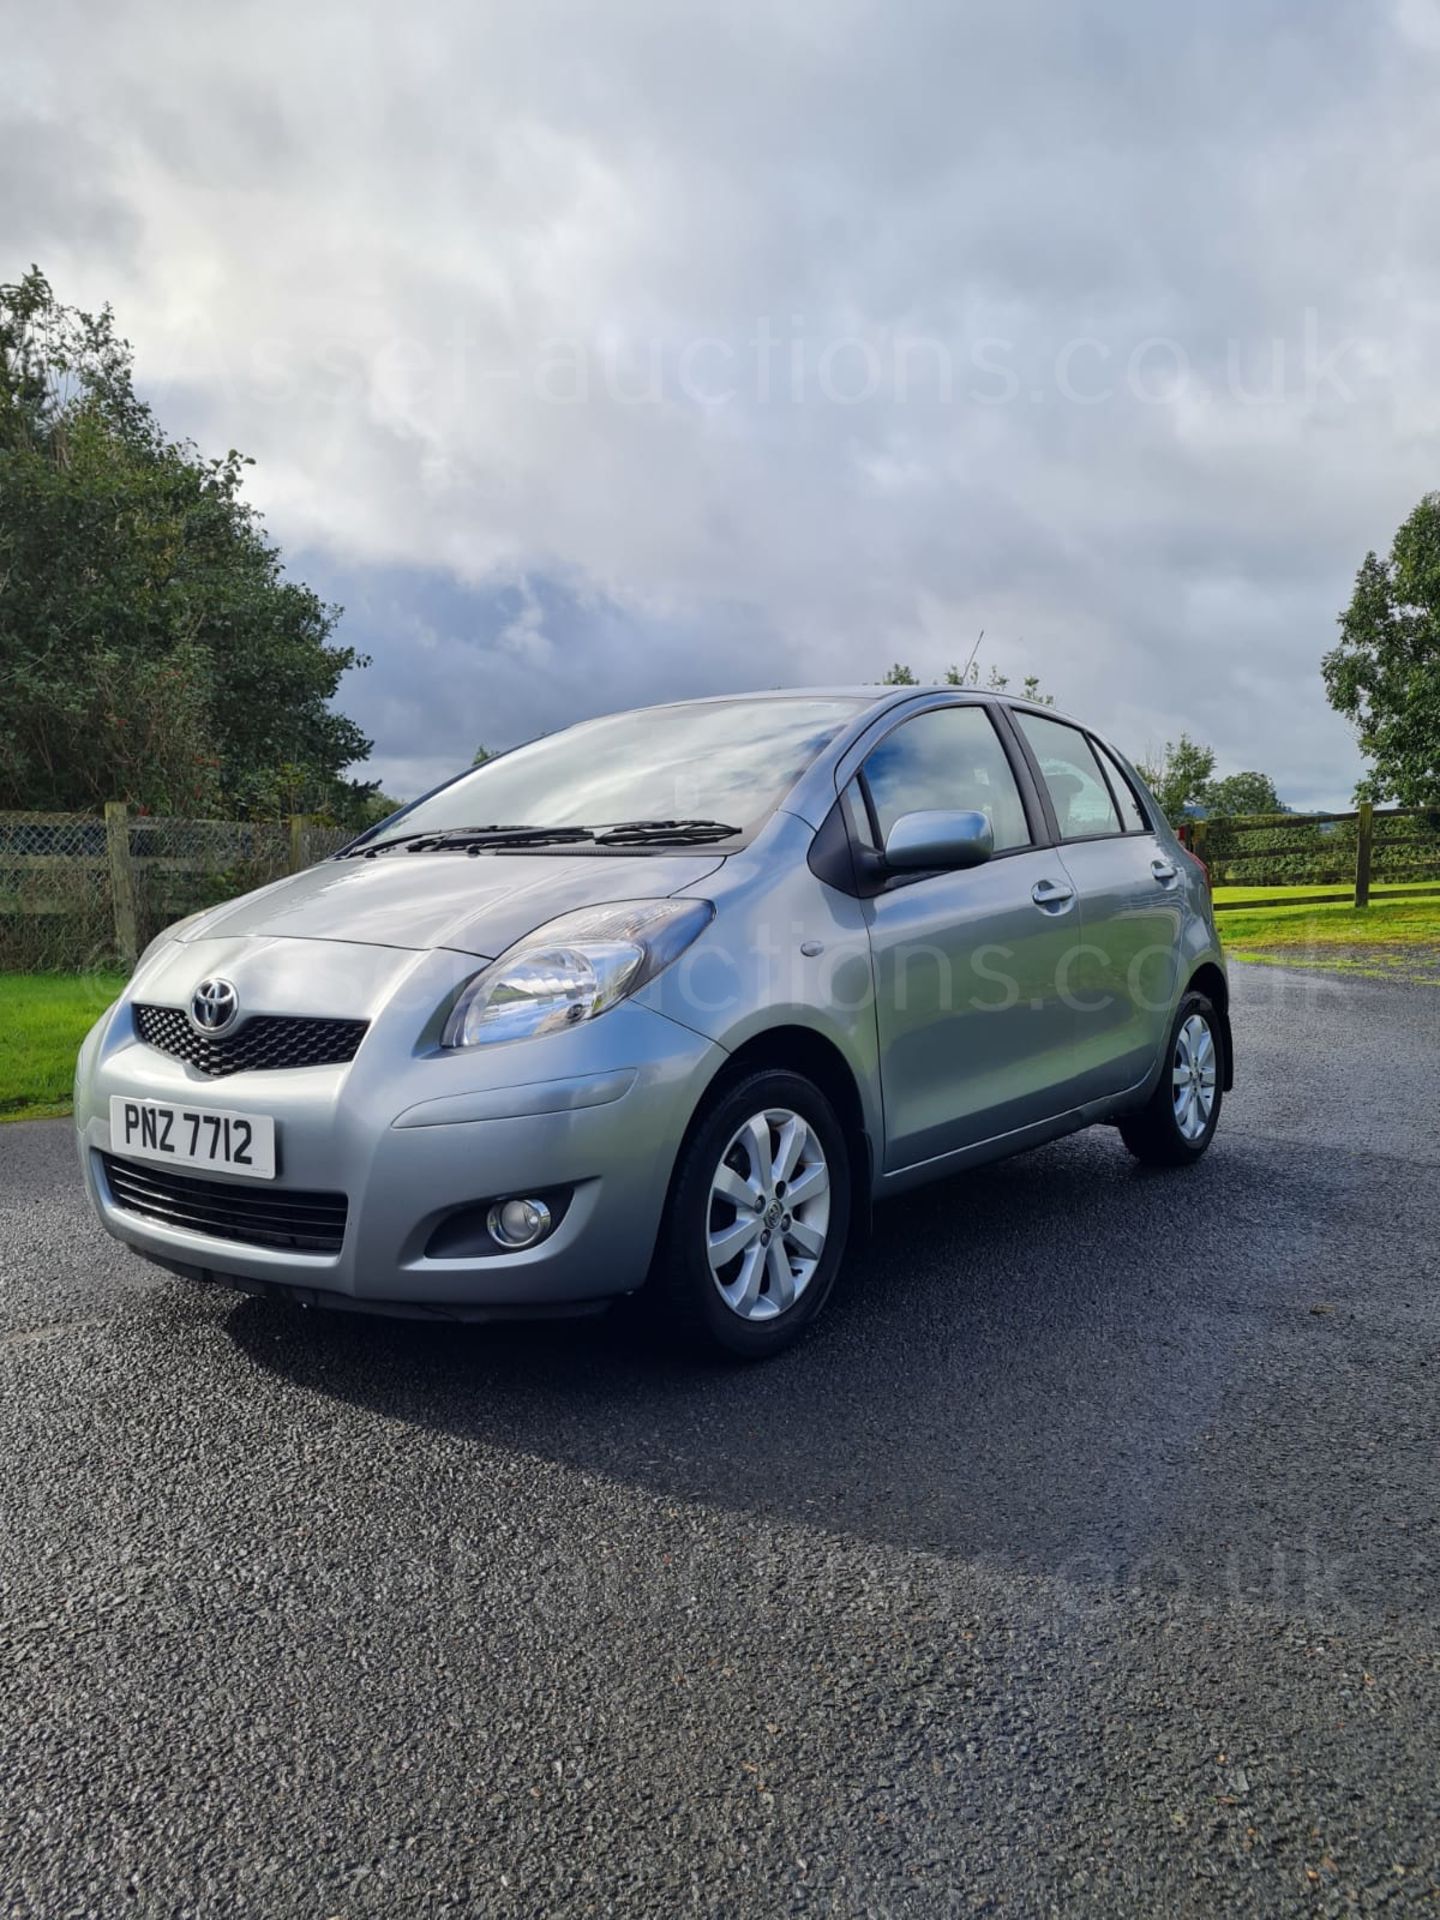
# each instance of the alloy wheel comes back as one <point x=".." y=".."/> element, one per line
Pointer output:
<point x="769" y="1214"/>
<point x="1193" y="1077"/>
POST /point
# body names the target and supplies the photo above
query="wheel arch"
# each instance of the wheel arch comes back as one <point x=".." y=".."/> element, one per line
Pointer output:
<point x="1210" y="980"/>
<point x="797" y="1049"/>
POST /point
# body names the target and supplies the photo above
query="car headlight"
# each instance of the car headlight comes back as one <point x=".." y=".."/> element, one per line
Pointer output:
<point x="573" y="969"/>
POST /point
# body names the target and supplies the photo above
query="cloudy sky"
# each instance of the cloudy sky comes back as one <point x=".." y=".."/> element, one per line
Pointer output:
<point x="593" y="354"/>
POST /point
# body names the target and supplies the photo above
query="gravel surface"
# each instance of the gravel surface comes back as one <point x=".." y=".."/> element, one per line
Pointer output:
<point x="1415" y="964"/>
<point x="1083" y="1562"/>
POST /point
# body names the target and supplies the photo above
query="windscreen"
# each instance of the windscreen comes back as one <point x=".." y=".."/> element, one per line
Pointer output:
<point x="730" y="761"/>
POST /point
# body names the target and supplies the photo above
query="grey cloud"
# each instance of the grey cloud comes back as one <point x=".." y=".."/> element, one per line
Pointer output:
<point x="454" y="668"/>
<point x="367" y="246"/>
<point x="52" y="181"/>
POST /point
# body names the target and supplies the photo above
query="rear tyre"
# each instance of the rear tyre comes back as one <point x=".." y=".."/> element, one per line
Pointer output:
<point x="756" y="1225"/>
<point x="1178" y="1122"/>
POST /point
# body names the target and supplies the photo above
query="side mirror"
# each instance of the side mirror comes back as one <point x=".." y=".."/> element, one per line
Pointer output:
<point x="938" y="841"/>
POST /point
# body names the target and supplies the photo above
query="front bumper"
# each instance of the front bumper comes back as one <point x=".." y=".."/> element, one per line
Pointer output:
<point x="411" y="1136"/>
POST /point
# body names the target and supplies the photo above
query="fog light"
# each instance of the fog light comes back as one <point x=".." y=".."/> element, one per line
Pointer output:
<point x="519" y="1223"/>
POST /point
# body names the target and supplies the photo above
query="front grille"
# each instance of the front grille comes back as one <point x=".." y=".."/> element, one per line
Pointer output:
<point x="264" y="1040"/>
<point x="258" y="1216"/>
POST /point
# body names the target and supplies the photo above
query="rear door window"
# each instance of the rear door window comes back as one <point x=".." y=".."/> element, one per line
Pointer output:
<point x="1072" y="776"/>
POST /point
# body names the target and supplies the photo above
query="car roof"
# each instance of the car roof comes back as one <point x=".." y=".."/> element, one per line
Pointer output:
<point x="872" y="695"/>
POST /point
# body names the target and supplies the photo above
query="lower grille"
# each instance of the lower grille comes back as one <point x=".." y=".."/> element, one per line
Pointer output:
<point x="264" y="1040"/>
<point x="258" y="1217"/>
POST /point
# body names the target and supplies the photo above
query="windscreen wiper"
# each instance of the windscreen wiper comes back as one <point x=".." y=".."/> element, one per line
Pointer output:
<point x="639" y="833"/>
<point x="615" y="833"/>
<point x="466" y="839"/>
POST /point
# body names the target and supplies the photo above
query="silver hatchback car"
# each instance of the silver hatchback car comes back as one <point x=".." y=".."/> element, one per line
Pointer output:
<point x="665" y="1001"/>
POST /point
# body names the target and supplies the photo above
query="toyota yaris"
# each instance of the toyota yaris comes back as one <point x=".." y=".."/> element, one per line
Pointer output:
<point x="664" y="1002"/>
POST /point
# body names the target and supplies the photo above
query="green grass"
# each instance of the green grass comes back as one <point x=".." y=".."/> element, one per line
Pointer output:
<point x="1391" y="940"/>
<point x="43" y="1019"/>
<point x="1377" y="892"/>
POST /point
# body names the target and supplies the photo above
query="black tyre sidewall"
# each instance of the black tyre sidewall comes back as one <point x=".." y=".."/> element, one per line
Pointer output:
<point x="681" y="1280"/>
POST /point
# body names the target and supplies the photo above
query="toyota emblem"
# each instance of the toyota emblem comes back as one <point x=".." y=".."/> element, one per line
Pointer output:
<point x="214" y="1006"/>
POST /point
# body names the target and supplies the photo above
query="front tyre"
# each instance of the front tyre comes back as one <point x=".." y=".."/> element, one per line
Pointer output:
<point x="757" y="1221"/>
<point x="1178" y="1122"/>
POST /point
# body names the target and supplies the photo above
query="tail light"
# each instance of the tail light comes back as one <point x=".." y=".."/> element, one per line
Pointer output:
<point x="1200" y="864"/>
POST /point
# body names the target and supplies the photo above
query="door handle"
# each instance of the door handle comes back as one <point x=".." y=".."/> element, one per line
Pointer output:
<point x="1163" y="871"/>
<point x="1050" y="893"/>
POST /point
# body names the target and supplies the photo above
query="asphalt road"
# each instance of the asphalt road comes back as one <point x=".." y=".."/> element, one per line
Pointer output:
<point x="1085" y="1561"/>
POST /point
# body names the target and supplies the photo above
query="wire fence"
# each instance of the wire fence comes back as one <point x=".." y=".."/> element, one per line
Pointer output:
<point x="82" y="890"/>
<point x="89" y="890"/>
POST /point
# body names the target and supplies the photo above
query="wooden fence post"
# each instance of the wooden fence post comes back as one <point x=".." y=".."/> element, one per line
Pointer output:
<point x="299" y="826"/>
<point x="1197" y="838"/>
<point x="1364" y="842"/>
<point x="122" y="881"/>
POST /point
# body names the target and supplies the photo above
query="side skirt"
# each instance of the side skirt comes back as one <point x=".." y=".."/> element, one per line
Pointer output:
<point x="1021" y="1140"/>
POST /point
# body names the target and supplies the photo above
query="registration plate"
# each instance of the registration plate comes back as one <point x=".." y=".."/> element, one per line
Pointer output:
<point x="193" y="1136"/>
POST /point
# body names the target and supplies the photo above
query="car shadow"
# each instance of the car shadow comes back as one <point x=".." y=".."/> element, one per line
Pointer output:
<point x="1020" y="1366"/>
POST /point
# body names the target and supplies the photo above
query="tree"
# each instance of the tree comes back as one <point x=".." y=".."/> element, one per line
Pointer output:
<point x="374" y="807"/>
<point x="997" y="682"/>
<point x="1180" y="778"/>
<point x="900" y="676"/>
<point x="151" y="646"/>
<point x="482" y="754"/>
<point x="1240" y="793"/>
<point x="1384" y="675"/>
